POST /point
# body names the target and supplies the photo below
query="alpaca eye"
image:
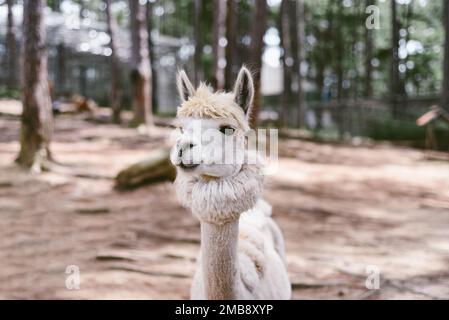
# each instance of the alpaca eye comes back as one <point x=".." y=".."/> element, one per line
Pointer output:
<point x="227" y="130"/>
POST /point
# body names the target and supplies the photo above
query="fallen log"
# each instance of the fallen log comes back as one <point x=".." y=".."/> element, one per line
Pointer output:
<point x="157" y="167"/>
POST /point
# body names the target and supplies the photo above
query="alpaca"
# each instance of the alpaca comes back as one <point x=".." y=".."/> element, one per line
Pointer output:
<point x="242" y="249"/>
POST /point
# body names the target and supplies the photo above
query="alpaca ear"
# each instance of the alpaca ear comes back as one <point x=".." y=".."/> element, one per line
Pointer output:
<point x="185" y="87"/>
<point x="244" y="91"/>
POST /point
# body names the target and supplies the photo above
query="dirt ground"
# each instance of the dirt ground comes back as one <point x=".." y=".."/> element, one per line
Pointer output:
<point x="343" y="210"/>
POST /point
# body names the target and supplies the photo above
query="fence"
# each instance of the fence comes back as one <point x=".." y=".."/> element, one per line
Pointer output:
<point x="380" y="119"/>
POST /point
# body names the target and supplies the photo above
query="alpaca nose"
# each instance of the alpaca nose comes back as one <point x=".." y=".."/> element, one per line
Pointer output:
<point x="185" y="147"/>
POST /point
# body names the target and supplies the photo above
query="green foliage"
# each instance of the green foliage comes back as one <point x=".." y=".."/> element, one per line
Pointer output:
<point x="395" y="130"/>
<point x="334" y="48"/>
<point x="331" y="24"/>
<point x="388" y="129"/>
<point x="442" y="137"/>
<point x="6" y="93"/>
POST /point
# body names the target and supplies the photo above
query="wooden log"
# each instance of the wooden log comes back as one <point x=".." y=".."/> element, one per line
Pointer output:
<point x="157" y="167"/>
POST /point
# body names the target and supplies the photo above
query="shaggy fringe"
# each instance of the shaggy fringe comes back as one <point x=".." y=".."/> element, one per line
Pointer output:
<point x="207" y="104"/>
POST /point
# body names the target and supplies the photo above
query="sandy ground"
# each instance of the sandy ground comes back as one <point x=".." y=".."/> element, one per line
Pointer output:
<point x="342" y="209"/>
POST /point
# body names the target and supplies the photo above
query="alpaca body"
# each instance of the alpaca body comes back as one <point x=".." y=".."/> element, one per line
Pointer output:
<point x="242" y="253"/>
<point x="242" y="249"/>
<point x="261" y="263"/>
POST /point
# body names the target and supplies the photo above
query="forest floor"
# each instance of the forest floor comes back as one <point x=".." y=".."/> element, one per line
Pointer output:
<point x="342" y="209"/>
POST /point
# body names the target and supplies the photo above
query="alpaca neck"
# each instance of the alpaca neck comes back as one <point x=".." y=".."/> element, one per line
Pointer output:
<point x="219" y="260"/>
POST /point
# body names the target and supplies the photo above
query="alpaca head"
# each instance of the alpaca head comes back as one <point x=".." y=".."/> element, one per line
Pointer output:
<point x="212" y="127"/>
<point x="214" y="178"/>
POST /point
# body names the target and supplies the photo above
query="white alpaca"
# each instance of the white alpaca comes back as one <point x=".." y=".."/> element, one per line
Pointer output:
<point x="242" y="248"/>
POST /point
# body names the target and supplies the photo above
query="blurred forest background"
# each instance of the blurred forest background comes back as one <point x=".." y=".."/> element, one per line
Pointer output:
<point x="321" y="68"/>
<point x="358" y="88"/>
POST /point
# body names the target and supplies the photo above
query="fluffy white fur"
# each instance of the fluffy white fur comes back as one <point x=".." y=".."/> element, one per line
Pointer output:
<point x="242" y="252"/>
<point x="221" y="200"/>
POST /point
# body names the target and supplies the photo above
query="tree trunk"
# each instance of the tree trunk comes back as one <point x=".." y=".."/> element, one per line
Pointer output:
<point x="340" y="110"/>
<point x="339" y="49"/>
<point x="149" y="16"/>
<point x="115" y="98"/>
<point x="82" y="4"/>
<point x="259" y="25"/>
<point x="301" y="56"/>
<point x="287" y="60"/>
<point x="395" y="78"/>
<point x="83" y="80"/>
<point x="231" y="49"/>
<point x="244" y="30"/>
<point x="445" y="89"/>
<point x="198" y="70"/>
<point x="11" y="47"/>
<point x="369" y="48"/>
<point x="355" y="40"/>
<point x="320" y="86"/>
<point x="60" y="69"/>
<point x="403" y="76"/>
<point x="37" y="117"/>
<point x="218" y="49"/>
<point x="140" y="66"/>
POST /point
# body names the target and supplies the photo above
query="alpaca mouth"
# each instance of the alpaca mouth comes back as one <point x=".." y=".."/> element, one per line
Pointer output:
<point x="187" y="167"/>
